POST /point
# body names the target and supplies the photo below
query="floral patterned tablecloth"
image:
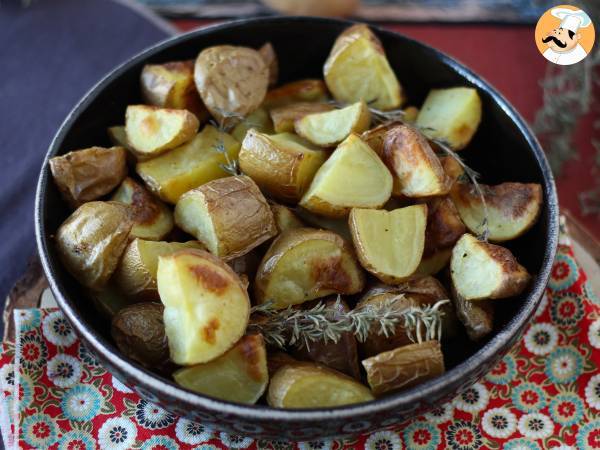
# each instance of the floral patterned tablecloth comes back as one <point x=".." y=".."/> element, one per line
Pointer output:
<point x="544" y="394"/>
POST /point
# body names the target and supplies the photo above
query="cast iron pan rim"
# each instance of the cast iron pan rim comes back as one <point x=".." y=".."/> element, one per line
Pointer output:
<point x="415" y="395"/>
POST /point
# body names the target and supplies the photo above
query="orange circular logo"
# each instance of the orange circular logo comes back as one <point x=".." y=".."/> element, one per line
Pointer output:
<point x="564" y="35"/>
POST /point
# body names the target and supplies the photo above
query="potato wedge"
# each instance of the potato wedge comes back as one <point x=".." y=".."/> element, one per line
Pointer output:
<point x="389" y="244"/>
<point x="231" y="80"/>
<point x="91" y="241"/>
<point x="512" y="208"/>
<point x="303" y="264"/>
<point x="477" y="317"/>
<point x="375" y="137"/>
<point x="329" y="128"/>
<point x="297" y="91"/>
<point x="352" y="177"/>
<point x="304" y="385"/>
<point x="416" y="169"/>
<point x="188" y="166"/>
<point x="285" y="219"/>
<point x="258" y="120"/>
<point x="136" y="273"/>
<point x="240" y="375"/>
<point x="404" y="367"/>
<point x="267" y="52"/>
<point x="357" y="69"/>
<point x="152" y="130"/>
<point x="434" y="263"/>
<point x="281" y="164"/>
<point x="206" y="305"/>
<point x="85" y="175"/>
<point x="152" y="220"/>
<point x="480" y="270"/>
<point x="451" y="115"/>
<point x="285" y="116"/>
<point x="229" y="216"/>
<point x="444" y="226"/>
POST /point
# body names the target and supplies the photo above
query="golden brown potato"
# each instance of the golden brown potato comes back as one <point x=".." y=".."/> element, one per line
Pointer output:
<point x="480" y="270"/>
<point x="281" y="164"/>
<point x="206" y="305"/>
<point x="477" y="317"/>
<point x="357" y="69"/>
<point x="375" y="137"/>
<point x="512" y="208"/>
<point x="240" y="375"/>
<point x="434" y="263"/>
<point x="230" y="216"/>
<point x="404" y="367"/>
<point x="232" y="81"/>
<point x="270" y="58"/>
<point x="188" y="166"/>
<point x="285" y="219"/>
<point x="352" y="177"/>
<point x="91" y="241"/>
<point x="152" y="220"/>
<point x="304" y="385"/>
<point x="85" y="175"/>
<point x="258" y="120"/>
<point x="296" y="91"/>
<point x="303" y="264"/>
<point x="389" y="244"/>
<point x="152" y="130"/>
<point x="453" y="169"/>
<point x="444" y="226"/>
<point x="285" y="116"/>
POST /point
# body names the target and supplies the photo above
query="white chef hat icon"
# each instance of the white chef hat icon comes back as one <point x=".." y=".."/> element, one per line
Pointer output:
<point x="571" y="19"/>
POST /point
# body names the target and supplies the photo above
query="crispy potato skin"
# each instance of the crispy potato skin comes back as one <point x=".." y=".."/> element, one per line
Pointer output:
<point x="267" y="52"/>
<point x="452" y="168"/>
<point x="477" y="317"/>
<point x="285" y="116"/>
<point x="297" y="91"/>
<point x="444" y="226"/>
<point x="85" y="175"/>
<point x="375" y="137"/>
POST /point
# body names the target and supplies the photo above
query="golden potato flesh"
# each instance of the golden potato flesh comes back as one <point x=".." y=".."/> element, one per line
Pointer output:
<point x="85" y="175"/>
<point x="240" y="375"/>
<point x="332" y="127"/>
<point x="357" y="69"/>
<point x="230" y="216"/>
<point x="206" y="305"/>
<point x="267" y="52"/>
<point x="451" y="115"/>
<point x="258" y="120"/>
<point x="303" y="264"/>
<point x="481" y="270"/>
<point x="389" y="244"/>
<point x="444" y="226"/>
<point x="281" y="164"/>
<point x="352" y="177"/>
<point x="285" y="219"/>
<point x="285" y="116"/>
<point x="152" y="130"/>
<point x="297" y="91"/>
<point x="304" y="385"/>
<point x="512" y="208"/>
<point x="188" y="166"/>
<point x="91" y="241"/>
<point x="477" y="317"/>
<point x="404" y="367"/>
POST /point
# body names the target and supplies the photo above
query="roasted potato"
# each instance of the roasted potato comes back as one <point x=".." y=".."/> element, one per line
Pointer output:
<point x="108" y="301"/>
<point x="444" y="226"/>
<point x="477" y="317"/>
<point x="454" y="170"/>
<point x="139" y="332"/>
<point x="303" y="264"/>
<point x="91" y="241"/>
<point x="152" y="130"/>
<point x="240" y="375"/>
<point x="451" y="115"/>
<point x="286" y="116"/>
<point x="267" y="52"/>
<point x="434" y="263"/>
<point x="404" y="367"/>
<point x="258" y="120"/>
<point x="416" y="169"/>
<point x="188" y="166"/>
<point x="329" y="128"/>
<point x="375" y="137"/>
<point x="285" y="219"/>
<point x="357" y="69"/>
<point x="512" y="208"/>
<point x="281" y="164"/>
<point x="229" y="216"/>
<point x="352" y="177"/>
<point x="85" y="175"/>
<point x="296" y="91"/>
<point x="304" y="385"/>
<point x="206" y="305"/>
<point x="152" y="219"/>
<point x="389" y="244"/>
<point x="481" y="270"/>
<point x="232" y="81"/>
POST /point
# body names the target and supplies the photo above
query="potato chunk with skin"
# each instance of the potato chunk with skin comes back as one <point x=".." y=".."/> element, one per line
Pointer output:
<point x="304" y="385"/>
<point x="91" y="241"/>
<point x="303" y="264"/>
<point x="375" y="137"/>
<point x="444" y="226"/>
<point x="189" y="165"/>
<point x="357" y="69"/>
<point x="229" y="216"/>
<point x="389" y="244"/>
<point x="285" y="116"/>
<point x="512" y="208"/>
<point x="240" y="375"/>
<point x="352" y="177"/>
<point x="451" y="115"/>
<point x="480" y="270"/>
<point x="206" y="305"/>
<point x="85" y="175"/>
<point x="267" y="52"/>
<point x="281" y="164"/>
<point x="297" y="91"/>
